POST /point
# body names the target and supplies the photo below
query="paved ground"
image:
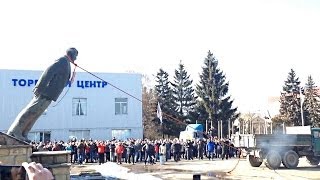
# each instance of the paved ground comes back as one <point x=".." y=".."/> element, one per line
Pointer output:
<point x="228" y="169"/>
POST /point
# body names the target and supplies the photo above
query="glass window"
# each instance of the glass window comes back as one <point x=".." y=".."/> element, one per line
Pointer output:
<point x="121" y="106"/>
<point x="79" y="134"/>
<point x="316" y="134"/>
<point x="79" y="106"/>
<point x="121" y="134"/>
<point x="39" y="136"/>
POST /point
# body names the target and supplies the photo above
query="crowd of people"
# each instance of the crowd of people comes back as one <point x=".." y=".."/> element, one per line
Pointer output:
<point x="140" y="150"/>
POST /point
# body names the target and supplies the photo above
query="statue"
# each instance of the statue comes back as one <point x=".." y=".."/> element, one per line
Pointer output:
<point x="48" y="88"/>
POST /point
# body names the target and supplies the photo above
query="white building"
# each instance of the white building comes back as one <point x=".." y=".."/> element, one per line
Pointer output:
<point x="88" y="108"/>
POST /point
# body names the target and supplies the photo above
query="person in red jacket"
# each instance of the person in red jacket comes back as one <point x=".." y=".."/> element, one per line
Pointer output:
<point x="101" y="150"/>
<point x="119" y="151"/>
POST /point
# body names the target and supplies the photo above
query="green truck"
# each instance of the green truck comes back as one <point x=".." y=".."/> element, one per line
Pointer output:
<point x="274" y="149"/>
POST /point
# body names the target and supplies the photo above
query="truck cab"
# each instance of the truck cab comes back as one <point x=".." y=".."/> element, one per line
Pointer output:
<point x="316" y="140"/>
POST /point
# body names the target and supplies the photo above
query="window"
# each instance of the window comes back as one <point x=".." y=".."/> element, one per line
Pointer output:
<point x="121" y="134"/>
<point x="79" y="106"/>
<point x="39" y="136"/>
<point x="79" y="134"/>
<point x="121" y="106"/>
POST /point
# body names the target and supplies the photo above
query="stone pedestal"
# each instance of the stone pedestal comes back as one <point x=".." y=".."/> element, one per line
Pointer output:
<point x="55" y="161"/>
<point x="13" y="151"/>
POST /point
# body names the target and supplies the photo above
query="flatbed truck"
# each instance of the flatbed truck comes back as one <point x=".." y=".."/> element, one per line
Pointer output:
<point x="274" y="149"/>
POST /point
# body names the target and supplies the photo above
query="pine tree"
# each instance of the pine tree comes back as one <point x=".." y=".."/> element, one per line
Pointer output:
<point x="212" y="90"/>
<point x="167" y="104"/>
<point x="311" y="104"/>
<point x="183" y="94"/>
<point x="290" y="100"/>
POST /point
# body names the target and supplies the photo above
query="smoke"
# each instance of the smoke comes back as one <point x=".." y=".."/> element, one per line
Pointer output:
<point x="278" y="142"/>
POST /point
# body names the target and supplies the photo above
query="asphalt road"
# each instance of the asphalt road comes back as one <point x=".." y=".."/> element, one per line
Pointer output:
<point x="216" y="169"/>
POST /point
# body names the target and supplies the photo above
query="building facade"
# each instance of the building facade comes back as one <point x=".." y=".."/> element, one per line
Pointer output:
<point x="87" y="108"/>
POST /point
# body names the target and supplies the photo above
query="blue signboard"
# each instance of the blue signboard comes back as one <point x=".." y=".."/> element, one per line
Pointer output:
<point x="80" y="84"/>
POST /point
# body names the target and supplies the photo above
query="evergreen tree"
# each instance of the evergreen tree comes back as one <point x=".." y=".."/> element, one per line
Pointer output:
<point x="212" y="90"/>
<point x="183" y="94"/>
<point x="290" y="100"/>
<point x="311" y="104"/>
<point x="165" y="98"/>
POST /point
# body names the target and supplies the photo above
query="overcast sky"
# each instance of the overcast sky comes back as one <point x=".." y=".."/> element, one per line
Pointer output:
<point x="256" y="42"/>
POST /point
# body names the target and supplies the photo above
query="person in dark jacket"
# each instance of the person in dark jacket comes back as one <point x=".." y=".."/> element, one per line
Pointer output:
<point x="200" y="149"/>
<point x="130" y="152"/>
<point x="175" y="148"/>
<point x="149" y="153"/>
<point x="225" y="150"/>
<point x="48" y="88"/>
<point x="112" y="147"/>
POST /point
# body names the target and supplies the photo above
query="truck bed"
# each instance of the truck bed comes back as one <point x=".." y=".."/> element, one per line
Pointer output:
<point x="267" y="140"/>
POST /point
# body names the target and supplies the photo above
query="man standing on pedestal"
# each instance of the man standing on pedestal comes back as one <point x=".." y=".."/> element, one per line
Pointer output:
<point x="48" y="88"/>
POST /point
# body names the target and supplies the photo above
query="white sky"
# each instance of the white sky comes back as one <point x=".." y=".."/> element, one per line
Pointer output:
<point x="256" y="42"/>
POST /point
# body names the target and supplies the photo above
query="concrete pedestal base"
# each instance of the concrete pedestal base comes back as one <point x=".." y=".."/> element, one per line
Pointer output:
<point x="55" y="161"/>
<point x="13" y="151"/>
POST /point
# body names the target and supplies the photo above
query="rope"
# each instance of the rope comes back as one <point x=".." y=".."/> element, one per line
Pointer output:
<point x="110" y="84"/>
<point x="172" y="118"/>
<point x="71" y="81"/>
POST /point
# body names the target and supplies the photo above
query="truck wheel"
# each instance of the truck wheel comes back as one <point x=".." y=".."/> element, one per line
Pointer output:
<point x="273" y="160"/>
<point x="254" y="161"/>
<point x="290" y="159"/>
<point x="313" y="160"/>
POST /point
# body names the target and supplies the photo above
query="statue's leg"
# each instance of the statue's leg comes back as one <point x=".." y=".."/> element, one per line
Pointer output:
<point x="27" y="117"/>
<point x="42" y="105"/>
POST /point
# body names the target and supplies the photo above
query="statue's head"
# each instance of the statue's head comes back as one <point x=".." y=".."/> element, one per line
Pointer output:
<point x="72" y="53"/>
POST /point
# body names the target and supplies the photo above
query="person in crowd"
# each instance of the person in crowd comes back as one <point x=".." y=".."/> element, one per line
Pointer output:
<point x="119" y="151"/>
<point x="189" y="148"/>
<point x="210" y="149"/>
<point x="112" y="151"/>
<point x="200" y="147"/>
<point x="92" y="146"/>
<point x="101" y="150"/>
<point x="107" y="151"/>
<point x="175" y="148"/>
<point x="149" y="153"/>
<point x="74" y="152"/>
<point x="156" y="150"/>
<point x="81" y="151"/>
<point x="138" y="151"/>
<point x="163" y="150"/>
<point x="56" y="147"/>
<point x="218" y="149"/>
<point x="225" y="149"/>
<point x="168" y="148"/>
<point x="232" y="150"/>
<point x="124" y="154"/>
<point x="195" y="149"/>
<point x="130" y="152"/>
<point x="87" y="152"/>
